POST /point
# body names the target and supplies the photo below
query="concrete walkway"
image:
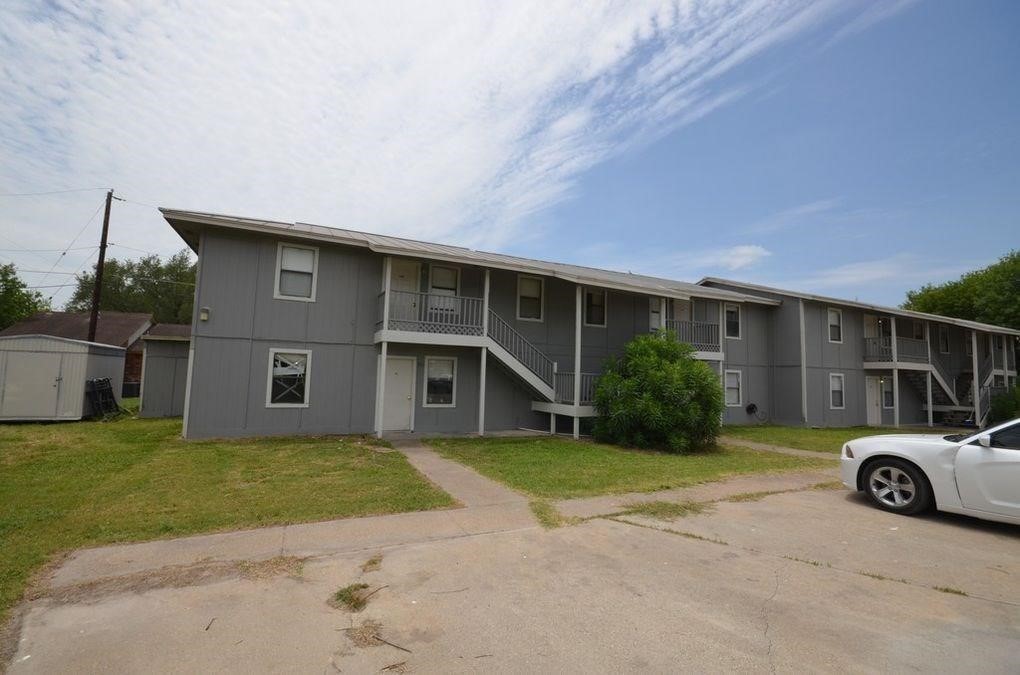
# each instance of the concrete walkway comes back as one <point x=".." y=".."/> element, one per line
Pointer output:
<point x="766" y="447"/>
<point x="602" y="505"/>
<point x="488" y="507"/>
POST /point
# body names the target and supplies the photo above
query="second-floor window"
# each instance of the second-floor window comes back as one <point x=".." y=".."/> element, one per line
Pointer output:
<point x="529" y="298"/>
<point x="443" y="280"/>
<point x="968" y="346"/>
<point x="733" y="321"/>
<point x="835" y="325"/>
<point x="594" y="308"/>
<point x="296" y="271"/>
<point x="944" y="339"/>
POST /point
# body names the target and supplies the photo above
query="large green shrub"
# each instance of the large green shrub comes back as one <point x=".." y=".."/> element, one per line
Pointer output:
<point x="1004" y="406"/>
<point x="658" y="396"/>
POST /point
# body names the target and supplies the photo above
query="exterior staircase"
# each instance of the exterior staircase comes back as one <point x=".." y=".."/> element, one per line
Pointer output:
<point x="522" y="358"/>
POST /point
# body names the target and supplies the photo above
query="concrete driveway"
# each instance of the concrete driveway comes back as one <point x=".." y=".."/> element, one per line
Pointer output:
<point x="814" y="580"/>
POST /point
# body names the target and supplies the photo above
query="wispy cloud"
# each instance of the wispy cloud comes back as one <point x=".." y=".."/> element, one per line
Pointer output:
<point x="874" y="13"/>
<point x="455" y="122"/>
<point x="792" y="217"/>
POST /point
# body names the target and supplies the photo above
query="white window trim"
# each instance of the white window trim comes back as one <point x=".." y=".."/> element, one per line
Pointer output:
<point x="740" y="321"/>
<point x="425" y="383"/>
<point x="740" y="388"/>
<point x="432" y="266"/>
<point x="944" y="328"/>
<point x="828" y="325"/>
<point x="279" y="261"/>
<point x="605" y="307"/>
<point x="541" y="303"/>
<point x="842" y="381"/>
<point x="881" y="393"/>
<point x="273" y="351"/>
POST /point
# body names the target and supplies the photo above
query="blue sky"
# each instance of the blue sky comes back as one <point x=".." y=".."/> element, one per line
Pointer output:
<point x="846" y="148"/>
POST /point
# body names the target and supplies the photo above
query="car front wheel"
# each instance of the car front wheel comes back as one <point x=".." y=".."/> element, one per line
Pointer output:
<point x="897" y="486"/>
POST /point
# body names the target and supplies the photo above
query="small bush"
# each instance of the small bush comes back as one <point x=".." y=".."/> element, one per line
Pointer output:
<point x="1004" y="406"/>
<point x="658" y="396"/>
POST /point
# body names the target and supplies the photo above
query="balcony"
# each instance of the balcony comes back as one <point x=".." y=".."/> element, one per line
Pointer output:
<point x="704" y="337"/>
<point x="433" y="313"/>
<point x="907" y="349"/>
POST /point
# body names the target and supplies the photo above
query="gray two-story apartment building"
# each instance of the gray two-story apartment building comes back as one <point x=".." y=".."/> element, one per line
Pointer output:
<point x="839" y="362"/>
<point x="304" y="329"/>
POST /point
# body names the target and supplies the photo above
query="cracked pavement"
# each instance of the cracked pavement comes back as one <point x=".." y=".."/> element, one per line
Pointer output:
<point x="813" y="580"/>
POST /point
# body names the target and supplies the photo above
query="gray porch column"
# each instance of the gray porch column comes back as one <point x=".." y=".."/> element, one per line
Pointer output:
<point x="976" y="386"/>
<point x="380" y="391"/>
<point x="577" y="359"/>
<point x="895" y="375"/>
<point x="927" y="342"/>
<point x="484" y="357"/>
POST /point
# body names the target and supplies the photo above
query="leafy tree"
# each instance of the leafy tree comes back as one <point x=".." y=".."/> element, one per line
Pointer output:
<point x="989" y="295"/>
<point x="658" y="396"/>
<point x="17" y="301"/>
<point x="164" y="289"/>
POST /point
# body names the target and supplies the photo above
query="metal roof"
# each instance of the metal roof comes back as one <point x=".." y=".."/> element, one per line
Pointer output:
<point x="973" y="325"/>
<point x="185" y="222"/>
<point x="39" y="336"/>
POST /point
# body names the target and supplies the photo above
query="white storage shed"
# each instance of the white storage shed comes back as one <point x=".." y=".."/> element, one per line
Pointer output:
<point x="43" y="377"/>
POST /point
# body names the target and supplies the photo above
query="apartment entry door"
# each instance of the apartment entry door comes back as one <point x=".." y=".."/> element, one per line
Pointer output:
<point x="398" y="399"/>
<point x="873" y="400"/>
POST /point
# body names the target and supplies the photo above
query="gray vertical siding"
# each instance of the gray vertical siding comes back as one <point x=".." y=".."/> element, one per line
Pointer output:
<point x="751" y="355"/>
<point x="164" y="378"/>
<point x="229" y="373"/>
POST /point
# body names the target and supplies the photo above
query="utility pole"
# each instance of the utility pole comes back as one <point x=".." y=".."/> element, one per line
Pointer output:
<point x="98" y="288"/>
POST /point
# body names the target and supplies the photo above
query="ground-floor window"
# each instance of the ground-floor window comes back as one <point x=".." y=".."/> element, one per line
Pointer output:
<point x="733" y="385"/>
<point x="887" y="393"/>
<point x="440" y="382"/>
<point x="288" y="378"/>
<point x="836" y="381"/>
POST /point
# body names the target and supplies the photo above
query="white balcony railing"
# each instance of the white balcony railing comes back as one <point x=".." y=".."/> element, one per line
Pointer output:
<point x="701" y="335"/>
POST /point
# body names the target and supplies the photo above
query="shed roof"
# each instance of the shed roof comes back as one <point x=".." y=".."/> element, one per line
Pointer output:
<point x="897" y="311"/>
<point x="177" y="332"/>
<point x="121" y="329"/>
<point x="190" y="223"/>
<point x="85" y="344"/>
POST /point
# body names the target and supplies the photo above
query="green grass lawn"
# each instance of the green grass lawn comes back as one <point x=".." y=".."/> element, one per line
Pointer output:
<point x="822" y="440"/>
<point x="558" y="468"/>
<point x="69" y="485"/>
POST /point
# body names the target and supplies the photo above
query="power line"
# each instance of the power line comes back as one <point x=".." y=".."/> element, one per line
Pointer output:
<point x="48" y="192"/>
<point x="156" y="281"/>
<point x="46" y="250"/>
<point x="139" y="250"/>
<point x="64" y="253"/>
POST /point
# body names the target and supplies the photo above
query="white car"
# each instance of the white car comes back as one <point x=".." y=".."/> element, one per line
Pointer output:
<point x="975" y="474"/>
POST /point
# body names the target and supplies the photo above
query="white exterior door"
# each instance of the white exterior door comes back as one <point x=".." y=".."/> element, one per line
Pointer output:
<point x="398" y="403"/>
<point x="987" y="478"/>
<point x="873" y="400"/>
<point x="655" y="314"/>
<point x="870" y="326"/>
<point x="31" y="384"/>
<point x="404" y="275"/>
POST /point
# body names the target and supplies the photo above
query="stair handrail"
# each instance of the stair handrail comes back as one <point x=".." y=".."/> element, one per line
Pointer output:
<point x="530" y="356"/>
<point x="944" y="374"/>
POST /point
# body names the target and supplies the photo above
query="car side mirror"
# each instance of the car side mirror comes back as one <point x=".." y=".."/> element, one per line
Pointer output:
<point x="985" y="441"/>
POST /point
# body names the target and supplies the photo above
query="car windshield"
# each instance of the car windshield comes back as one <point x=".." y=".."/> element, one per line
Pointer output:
<point x="956" y="438"/>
